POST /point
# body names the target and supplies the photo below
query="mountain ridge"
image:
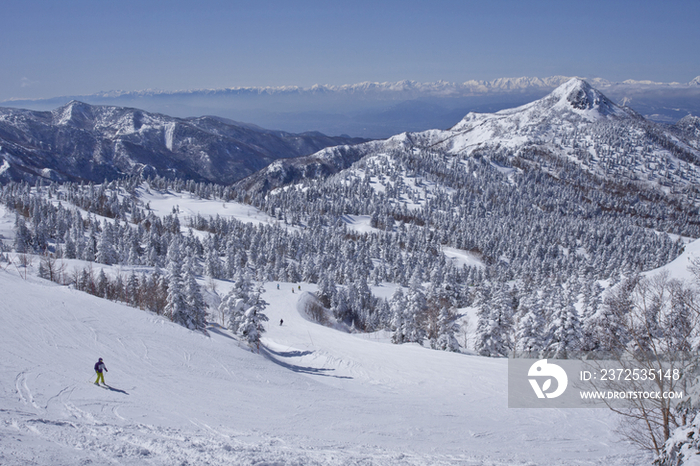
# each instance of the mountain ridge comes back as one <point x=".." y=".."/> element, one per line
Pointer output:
<point x="437" y="87"/>
<point x="82" y="142"/>
<point x="575" y="123"/>
<point x="379" y="110"/>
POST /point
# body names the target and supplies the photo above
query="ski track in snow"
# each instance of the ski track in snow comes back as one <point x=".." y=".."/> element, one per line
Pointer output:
<point x="313" y="396"/>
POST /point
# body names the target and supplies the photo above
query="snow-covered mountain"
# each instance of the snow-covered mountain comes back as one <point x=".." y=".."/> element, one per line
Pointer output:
<point x="382" y="109"/>
<point x="389" y="90"/>
<point x="93" y="143"/>
<point x="574" y="128"/>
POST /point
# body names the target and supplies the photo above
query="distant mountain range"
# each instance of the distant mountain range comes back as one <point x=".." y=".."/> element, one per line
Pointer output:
<point x="380" y="110"/>
<point x="81" y="142"/>
<point x="574" y="132"/>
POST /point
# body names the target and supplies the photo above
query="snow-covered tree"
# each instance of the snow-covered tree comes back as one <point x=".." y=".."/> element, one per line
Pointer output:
<point x="243" y="296"/>
<point x="196" y="307"/>
<point x="530" y="328"/>
<point x="565" y="332"/>
<point x="176" y="302"/>
<point x="251" y="327"/>
<point x="447" y="329"/>
<point x="397" y="308"/>
<point x="494" y="325"/>
<point x="106" y="253"/>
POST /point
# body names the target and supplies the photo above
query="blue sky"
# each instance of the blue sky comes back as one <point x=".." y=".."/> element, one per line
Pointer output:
<point x="52" y="48"/>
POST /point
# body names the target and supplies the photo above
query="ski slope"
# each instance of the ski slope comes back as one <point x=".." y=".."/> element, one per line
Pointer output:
<point x="312" y="396"/>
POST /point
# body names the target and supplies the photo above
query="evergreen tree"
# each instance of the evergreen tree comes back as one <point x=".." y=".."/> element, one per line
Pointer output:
<point x="447" y="328"/>
<point x="494" y="325"/>
<point x="102" y="284"/>
<point x="212" y="264"/>
<point x="591" y="304"/>
<point x="106" y="253"/>
<point x="196" y="308"/>
<point x="23" y="237"/>
<point x="529" y="330"/>
<point x="565" y="331"/>
<point x="251" y="327"/>
<point x="242" y="297"/>
<point x="176" y="302"/>
<point x="131" y="292"/>
<point x="397" y="307"/>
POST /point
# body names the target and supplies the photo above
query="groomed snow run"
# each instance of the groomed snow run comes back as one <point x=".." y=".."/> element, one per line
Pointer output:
<point x="312" y="396"/>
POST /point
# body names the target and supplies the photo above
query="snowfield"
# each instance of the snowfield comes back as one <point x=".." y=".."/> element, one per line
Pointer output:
<point x="188" y="205"/>
<point x="313" y="395"/>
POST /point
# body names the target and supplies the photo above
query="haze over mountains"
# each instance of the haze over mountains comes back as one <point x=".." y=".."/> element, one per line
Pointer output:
<point x="380" y="110"/>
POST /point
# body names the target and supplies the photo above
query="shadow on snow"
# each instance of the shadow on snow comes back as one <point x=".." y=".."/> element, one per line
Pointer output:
<point x="270" y="354"/>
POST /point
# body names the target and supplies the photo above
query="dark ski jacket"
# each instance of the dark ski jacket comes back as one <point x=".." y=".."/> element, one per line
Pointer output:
<point x="100" y="366"/>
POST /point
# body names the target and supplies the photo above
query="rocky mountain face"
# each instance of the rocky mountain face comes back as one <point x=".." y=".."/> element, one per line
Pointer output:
<point x="572" y="132"/>
<point x="80" y="142"/>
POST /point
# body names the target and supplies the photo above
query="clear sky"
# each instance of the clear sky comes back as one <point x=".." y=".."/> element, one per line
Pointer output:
<point x="50" y="48"/>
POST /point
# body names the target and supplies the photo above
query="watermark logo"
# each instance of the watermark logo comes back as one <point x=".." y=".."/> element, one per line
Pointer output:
<point x="542" y="369"/>
<point x="595" y="382"/>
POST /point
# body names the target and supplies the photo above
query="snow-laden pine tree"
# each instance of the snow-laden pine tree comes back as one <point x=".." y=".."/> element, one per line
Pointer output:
<point x="212" y="264"/>
<point x="611" y="322"/>
<point x="23" y="237"/>
<point x="106" y="253"/>
<point x="494" y="325"/>
<point x="447" y="329"/>
<point x="411" y="329"/>
<point x="176" y="302"/>
<point x="530" y="327"/>
<point x="243" y="296"/>
<point x="326" y="289"/>
<point x="196" y="317"/>
<point x="397" y="307"/>
<point x="565" y="332"/>
<point x="131" y="291"/>
<point x="340" y="306"/>
<point x="591" y="292"/>
<point x="252" y="326"/>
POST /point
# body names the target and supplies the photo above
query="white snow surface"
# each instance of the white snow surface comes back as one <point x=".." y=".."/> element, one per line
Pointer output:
<point x="313" y="395"/>
<point x="188" y="205"/>
<point x="679" y="267"/>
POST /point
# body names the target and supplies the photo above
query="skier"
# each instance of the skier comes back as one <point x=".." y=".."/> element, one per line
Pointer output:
<point x="99" y="367"/>
<point x="281" y="321"/>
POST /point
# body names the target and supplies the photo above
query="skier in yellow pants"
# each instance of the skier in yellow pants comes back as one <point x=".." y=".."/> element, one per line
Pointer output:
<point x="99" y="368"/>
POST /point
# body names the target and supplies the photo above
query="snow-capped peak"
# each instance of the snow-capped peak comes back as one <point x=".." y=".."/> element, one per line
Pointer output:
<point x="573" y="116"/>
<point x="577" y="96"/>
<point x="573" y="100"/>
<point x="74" y="112"/>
